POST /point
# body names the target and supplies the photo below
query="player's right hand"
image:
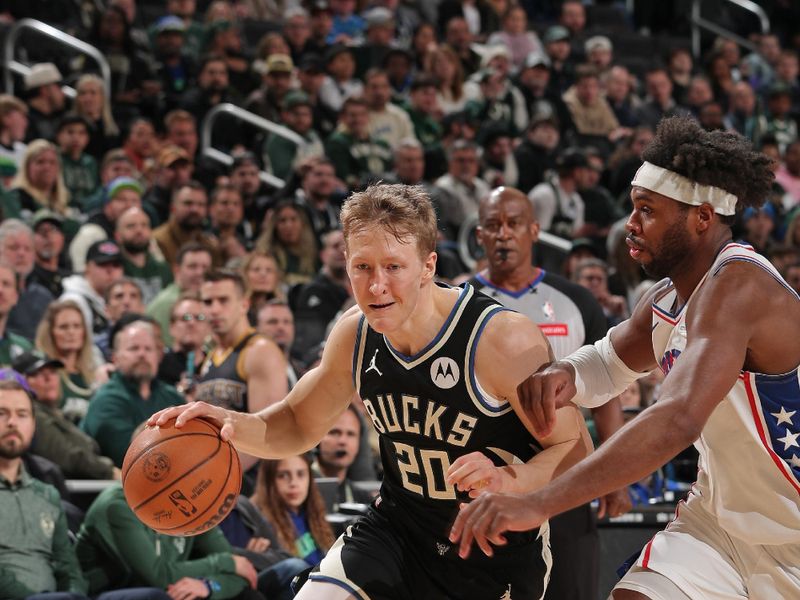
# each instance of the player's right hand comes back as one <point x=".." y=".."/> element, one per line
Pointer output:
<point x="185" y="412"/>
<point x="546" y="391"/>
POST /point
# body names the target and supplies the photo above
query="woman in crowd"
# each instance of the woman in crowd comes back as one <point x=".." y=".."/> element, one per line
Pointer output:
<point x="445" y="66"/>
<point x="289" y="237"/>
<point x="264" y="280"/>
<point x="516" y="37"/>
<point x="288" y="497"/>
<point x="93" y="104"/>
<point x="63" y="335"/>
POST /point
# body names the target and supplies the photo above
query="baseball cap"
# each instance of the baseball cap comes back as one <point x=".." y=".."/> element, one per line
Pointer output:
<point x="378" y="16"/>
<point x="45" y="215"/>
<point x="104" y="252"/>
<point x="170" y="23"/>
<point x="122" y="183"/>
<point x="536" y="59"/>
<point x="556" y="33"/>
<point x="28" y="363"/>
<point x="492" y="52"/>
<point x="320" y="6"/>
<point x="72" y="119"/>
<point x="42" y="74"/>
<point x="597" y="42"/>
<point x="278" y="63"/>
<point x="170" y="154"/>
<point x="296" y="98"/>
<point x="572" y="158"/>
<point x="583" y="243"/>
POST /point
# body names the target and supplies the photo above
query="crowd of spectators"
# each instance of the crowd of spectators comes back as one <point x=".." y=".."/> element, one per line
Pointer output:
<point x="113" y="215"/>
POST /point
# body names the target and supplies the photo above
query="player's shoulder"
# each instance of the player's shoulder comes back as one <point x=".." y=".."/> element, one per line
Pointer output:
<point x="509" y="330"/>
<point x="345" y="330"/>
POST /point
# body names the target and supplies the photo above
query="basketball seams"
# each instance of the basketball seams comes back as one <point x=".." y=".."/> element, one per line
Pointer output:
<point x="189" y="472"/>
<point x="150" y="447"/>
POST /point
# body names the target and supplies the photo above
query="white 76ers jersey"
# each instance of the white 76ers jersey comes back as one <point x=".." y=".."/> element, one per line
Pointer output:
<point x="749" y="470"/>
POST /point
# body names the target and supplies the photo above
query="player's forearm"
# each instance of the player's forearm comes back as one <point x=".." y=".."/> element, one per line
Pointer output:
<point x="544" y="467"/>
<point x="636" y="451"/>
<point x="272" y="433"/>
<point x="608" y="419"/>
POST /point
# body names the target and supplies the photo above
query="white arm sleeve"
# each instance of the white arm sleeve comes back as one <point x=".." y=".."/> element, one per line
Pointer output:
<point x="599" y="373"/>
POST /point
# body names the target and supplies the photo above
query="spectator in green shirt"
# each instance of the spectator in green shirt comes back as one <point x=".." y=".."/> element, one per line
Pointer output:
<point x="11" y="345"/>
<point x="79" y="168"/>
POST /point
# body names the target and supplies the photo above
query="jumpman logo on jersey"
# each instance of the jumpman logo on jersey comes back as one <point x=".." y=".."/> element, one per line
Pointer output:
<point x="372" y="366"/>
<point x="507" y="594"/>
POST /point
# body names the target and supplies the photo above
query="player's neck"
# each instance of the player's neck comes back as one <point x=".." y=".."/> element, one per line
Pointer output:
<point x="688" y="274"/>
<point x="432" y="310"/>
<point x="236" y="333"/>
<point x="515" y="280"/>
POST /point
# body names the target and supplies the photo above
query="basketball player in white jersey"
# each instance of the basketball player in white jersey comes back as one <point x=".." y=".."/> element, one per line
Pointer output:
<point x="725" y="328"/>
<point x="437" y="369"/>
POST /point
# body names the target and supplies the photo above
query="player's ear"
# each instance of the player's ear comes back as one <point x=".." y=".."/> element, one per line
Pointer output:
<point x="704" y="214"/>
<point x="479" y="234"/>
<point x="534" y="229"/>
<point x="429" y="269"/>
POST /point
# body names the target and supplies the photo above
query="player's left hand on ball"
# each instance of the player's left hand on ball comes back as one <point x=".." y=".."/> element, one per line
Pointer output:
<point x="614" y="504"/>
<point x="475" y="473"/>
<point x="485" y="519"/>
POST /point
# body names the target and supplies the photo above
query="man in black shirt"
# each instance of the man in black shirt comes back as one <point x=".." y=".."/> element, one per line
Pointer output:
<point x="48" y="242"/>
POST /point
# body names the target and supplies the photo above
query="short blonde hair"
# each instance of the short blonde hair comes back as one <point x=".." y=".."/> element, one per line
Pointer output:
<point x="405" y="211"/>
<point x="9" y="104"/>
<point x="56" y="199"/>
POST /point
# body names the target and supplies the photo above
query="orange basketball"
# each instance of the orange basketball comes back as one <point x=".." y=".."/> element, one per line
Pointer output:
<point x="181" y="481"/>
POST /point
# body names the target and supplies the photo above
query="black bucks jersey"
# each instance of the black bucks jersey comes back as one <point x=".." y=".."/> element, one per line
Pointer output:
<point x="429" y="409"/>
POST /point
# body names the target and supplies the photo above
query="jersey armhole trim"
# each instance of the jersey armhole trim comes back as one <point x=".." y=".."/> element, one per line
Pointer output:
<point x="358" y="352"/>
<point x="487" y="404"/>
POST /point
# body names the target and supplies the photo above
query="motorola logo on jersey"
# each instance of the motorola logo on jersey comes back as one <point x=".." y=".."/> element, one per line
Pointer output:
<point x="444" y="372"/>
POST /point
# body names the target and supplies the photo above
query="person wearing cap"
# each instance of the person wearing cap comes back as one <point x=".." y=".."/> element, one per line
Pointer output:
<point x="378" y="39"/>
<point x="283" y="155"/>
<point x="321" y="22"/>
<point x="268" y="100"/>
<point x="79" y="168"/>
<point x="311" y="76"/>
<point x="339" y="83"/>
<point x="174" y="167"/>
<point x="516" y="36"/>
<point x="599" y="52"/>
<point x="48" y="243"/>
<point x="356" y="155"/>
<point x="557" y="46"/>
<point x="46" y="101"/>
<point x="174" y="68"/>
<point x="778" y="120"/>
<point x="57" y="438"/>
<point x="387" y="122"/>
<point x="494" y="96"/>
<point x="187" y="216"/>
<point x="13" y="128"/>
<point x="103" y="267"/>
<point x="558" y="205"/>
<point x="120" y="194"/>
<point x="11" y="344"/>
<point x="16" y="250"/>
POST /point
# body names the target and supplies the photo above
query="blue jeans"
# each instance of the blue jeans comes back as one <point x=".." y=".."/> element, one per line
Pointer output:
<point x="275" y="581"/>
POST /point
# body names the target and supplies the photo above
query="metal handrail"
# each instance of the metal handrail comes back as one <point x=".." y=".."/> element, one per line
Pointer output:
<point x="243" y="115"/>
<point x="699" y="22"/>
<point x="14" y="66"/>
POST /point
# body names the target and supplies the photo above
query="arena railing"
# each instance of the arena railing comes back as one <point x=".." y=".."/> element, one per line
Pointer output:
<point x="207" y="149"/>
<point x="699" y="23"/>
<point x="13" y="66"/>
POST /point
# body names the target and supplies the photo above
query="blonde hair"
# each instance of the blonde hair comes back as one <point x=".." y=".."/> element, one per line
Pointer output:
<point x="456" y="87"/>
<point x="9" y="104"/>
<point x="405" y="211"/>
<point x="107" y="117"/>
<point x="46" y="342"/>
<point x="56" y="199"/>
<point x="305" y="249"/>
<point x="248" y="260"/>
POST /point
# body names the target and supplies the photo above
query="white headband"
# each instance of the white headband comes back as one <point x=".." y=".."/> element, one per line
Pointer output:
<point x="680" y="188"/>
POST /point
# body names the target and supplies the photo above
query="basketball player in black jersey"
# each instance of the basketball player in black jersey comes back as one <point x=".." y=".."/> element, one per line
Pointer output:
<point x="437" y="368"/>
<point x="245" y="371"/>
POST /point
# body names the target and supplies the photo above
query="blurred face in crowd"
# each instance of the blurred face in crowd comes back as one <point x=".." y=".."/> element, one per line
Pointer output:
<point x="69" y="331"/>
<point x="189" y="208"/>
<point x="227" y="210"/>
<point x="276" y="321"/>
<point x="779" y="105"/>
<point x="535" y="79"/>
<point x="18" y="252"/>
<point x="497" y="152"/>
<point x="618" y="84"/>
<point x="188" y="324"/>
<point x="142" y="139"/>
<point x="792" y="158"/>
<point x="124" y="298"/>
<point x="770" y="47"/>
<point x="224" y="306"/>
<point x="380" y="35"/>
<point x="793" y="277"/>
<point x="681" y="63"/>
<point x="8" y="291"/>
<point x="463" y="164"/>
<point x="278" y="83"/>
<point x="423" y="99"/>
<point x="332" y="253"/>
<point x="595" y="280"/>
<point x="48" y="240"/>
<point x="214" y="77"/>
<point x="90" y="99"/>
<point x="339" y="447"/>
<point x="17" y="423"/>
<point x="15" y="124"/>
<point x="730" y="50"/>
<point x="545" y="135"/>
<point x="641" y="139"/>
<point x="600" y="57"/>
<point x="177" y="173"/>
<point x="558" y="50"/>
<point x="46" y="384"/>
<point x="262" y="274"/>
<point x="515" y="21"/>
<point x="321" y="24"/>
<point x="43" y="169"/>
<point x="787" y="68"/>
<point x="342" y="66"/>
<point x="343" y="7"/>
<point x="573" y="16"/>
<point x="183" y="134"/>
<point x="100" y="277"/>
<point x="190" y="271"/>
<point x="409" y="164"/>
<point x="356" y="119"/>
<point x="73" y="138"/>
<point x="117" y="168"/>
<point x="310" y="80"/>
<point x="297" y="30"/>
<point x="587" y="90"/>
<point x="457" y="34"/>
<point x="122" y="200"/>
<point x="699" y="92"/>
<point x="711" y="117"/>
<point x="289" y="225"/>
<point x="743" y="99"/>
<point x="320" y="181"/>
<point x="378" y="92"/>
<point x="299" y="118"/>
<point x="133" y="231"/>
<point x="292" y="479"/>
<point x="181" y="8"/>
<point x="245" y="178"/>
<point x="137" y="352"/>
<point x="659" y="87"/>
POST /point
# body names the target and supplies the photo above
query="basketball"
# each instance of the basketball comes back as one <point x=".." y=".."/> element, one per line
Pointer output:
<point x="181" y="481"/>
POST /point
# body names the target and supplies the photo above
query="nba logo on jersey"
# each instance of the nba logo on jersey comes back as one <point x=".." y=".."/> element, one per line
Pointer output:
<point x="444" y="372"/>
<point x="549" y="311"/>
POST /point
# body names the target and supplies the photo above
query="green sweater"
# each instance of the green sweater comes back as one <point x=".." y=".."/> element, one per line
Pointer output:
<point x="11" y="346"/>
<point x="117" y="410"/>
<point x="116" y="550"/>
<point x="35" y="552"/>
